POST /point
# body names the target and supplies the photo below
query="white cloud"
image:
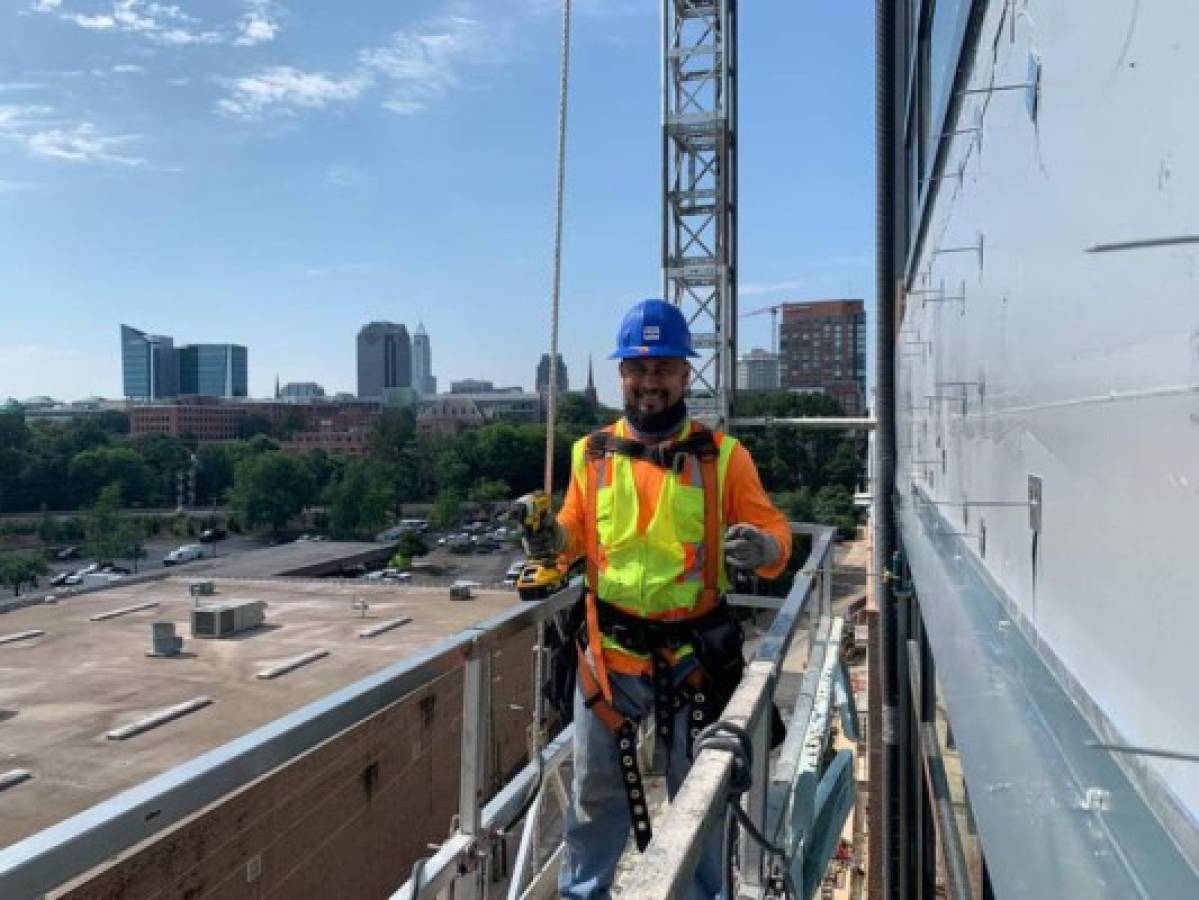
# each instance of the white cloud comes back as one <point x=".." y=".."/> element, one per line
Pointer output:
<point x="283" y="88"/>
<point x="128" y="69"/>
<point x="422" y="64"/>
<point x="94" y="23"/>
<point x="259" y="25"/>
<point x="47" y="137"/>
<point x="15" y="119"/>
<point x="160" y="22"/>
<point x="84" y="143"/>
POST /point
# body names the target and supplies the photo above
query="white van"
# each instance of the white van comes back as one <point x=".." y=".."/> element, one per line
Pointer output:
<point x="184" y="554"/>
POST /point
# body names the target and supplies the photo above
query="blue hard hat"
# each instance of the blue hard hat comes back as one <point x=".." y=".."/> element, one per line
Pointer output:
<point x="653" y="328"/>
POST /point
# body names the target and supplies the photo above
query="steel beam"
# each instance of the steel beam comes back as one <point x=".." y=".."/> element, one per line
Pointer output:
<point x="699" y="190"/>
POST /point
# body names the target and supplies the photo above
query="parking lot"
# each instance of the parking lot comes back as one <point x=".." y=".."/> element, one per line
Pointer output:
<point x="156" y="549"/>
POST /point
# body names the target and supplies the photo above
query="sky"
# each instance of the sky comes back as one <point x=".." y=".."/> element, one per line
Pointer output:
<point x="277" y="174"/>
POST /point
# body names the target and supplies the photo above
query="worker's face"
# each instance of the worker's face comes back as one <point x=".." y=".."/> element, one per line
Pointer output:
<point x="652" y="385"/>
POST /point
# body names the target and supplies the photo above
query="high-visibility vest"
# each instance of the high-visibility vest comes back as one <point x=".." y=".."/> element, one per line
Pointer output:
<point x="658" y="574"/>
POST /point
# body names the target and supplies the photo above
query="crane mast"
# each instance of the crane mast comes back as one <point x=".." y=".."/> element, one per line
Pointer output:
<point x="699" y="190"/>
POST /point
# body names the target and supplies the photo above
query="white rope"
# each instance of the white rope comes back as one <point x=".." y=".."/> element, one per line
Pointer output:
<point x="551" y="413"/>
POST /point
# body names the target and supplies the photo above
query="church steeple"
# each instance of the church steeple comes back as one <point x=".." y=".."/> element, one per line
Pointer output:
<point x="589" y="391"/>
<point x="277" y="394"/>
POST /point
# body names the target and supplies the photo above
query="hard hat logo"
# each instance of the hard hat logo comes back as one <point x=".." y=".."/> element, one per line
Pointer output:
<point x="653" y="328"/>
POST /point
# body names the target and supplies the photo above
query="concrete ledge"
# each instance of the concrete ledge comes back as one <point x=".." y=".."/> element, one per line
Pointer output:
<point x="159" y="718"/>
<point x="291" y="665"/>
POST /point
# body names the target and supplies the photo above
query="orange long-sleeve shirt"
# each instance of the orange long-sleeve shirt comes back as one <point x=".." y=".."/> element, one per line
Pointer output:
<point x="745" y="501"/>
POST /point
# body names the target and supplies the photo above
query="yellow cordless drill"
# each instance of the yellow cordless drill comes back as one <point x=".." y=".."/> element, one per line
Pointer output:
<point x="541" y="538"/>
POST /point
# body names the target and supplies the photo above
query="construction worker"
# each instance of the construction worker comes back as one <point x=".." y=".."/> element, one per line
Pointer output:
<point x="659" y="505"/>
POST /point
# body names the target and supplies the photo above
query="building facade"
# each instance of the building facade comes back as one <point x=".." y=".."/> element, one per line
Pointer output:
<point x="149" y="366"/>
<point x="299" y="391"/>
<point x="449" y="414"/>
<point x="422" y="362"/>
<point x="471" y="386"/>
<point x="823" y="347"/>
<point x="213" y="370"/>
<point x="758" y="370"/>
<point x="208" y="419"/>
<point x="543" y="375"/>
<point x="384" y="359"/>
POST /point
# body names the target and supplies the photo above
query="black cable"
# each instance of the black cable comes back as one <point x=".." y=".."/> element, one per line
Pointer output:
<point x="736" y="741"/>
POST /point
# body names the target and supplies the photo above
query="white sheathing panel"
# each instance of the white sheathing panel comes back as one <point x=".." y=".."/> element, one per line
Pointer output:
<point x="1090" y="360"/>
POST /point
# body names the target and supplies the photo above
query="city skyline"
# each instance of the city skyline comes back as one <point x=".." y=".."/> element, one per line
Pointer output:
<point x="289" y="185"/>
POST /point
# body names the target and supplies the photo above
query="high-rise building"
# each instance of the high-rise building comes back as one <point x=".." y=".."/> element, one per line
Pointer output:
<point x="422" y="362"/>
<point x="823" y="347"/>
<point x="213" y="370"/>
<point x="543" y="375"/>
<point x="758" y="370"/>
<point x="149" y="366"/>
<point x="384" y="359"/>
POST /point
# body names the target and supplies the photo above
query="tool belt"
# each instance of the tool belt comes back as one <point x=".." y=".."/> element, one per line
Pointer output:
<point x="705" y="690"/>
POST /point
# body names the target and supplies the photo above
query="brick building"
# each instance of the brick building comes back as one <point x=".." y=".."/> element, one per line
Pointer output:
<point x="822" y="347"/>
<point x="336" y="427"/>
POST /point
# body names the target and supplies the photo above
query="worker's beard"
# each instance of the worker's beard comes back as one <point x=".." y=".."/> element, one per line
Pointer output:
<point x="662" y="423"/>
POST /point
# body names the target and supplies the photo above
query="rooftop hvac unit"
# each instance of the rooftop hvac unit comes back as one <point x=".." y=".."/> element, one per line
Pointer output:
<point x="226" y="619"/>
<point x="202" y="588"/>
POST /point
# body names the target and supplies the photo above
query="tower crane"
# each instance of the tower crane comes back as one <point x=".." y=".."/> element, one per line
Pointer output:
<point x="774" y="323"/>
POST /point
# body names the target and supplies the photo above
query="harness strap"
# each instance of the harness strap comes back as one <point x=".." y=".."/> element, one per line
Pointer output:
<point x="707" y="468"/>
<point x="624" y="730"/>
<point x="668" y="455"/>
<point x="595" y="641"/>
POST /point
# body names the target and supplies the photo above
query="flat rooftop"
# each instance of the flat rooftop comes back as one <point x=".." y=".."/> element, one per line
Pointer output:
<point x="60" y="693"/>
<point x="306" y="558"/>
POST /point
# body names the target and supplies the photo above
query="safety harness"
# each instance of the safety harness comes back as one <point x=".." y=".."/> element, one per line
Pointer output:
<point x="651" y="637"/>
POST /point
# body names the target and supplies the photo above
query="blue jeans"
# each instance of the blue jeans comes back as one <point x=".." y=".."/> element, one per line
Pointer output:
<point x="598" y="823"/>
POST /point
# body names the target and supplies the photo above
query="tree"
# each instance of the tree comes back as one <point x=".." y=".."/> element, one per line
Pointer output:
<point x="17" y="569"/>
<point x="214" y="471"/>
<point x="132" y="539"/>
<point x="91" y="470"/>
<point x="14" y="438"/>
<point x="359" y="501"/>
<point x="833" y="505"/>
<point x="270" y="489"/>
<point x="392" y="432"/>
<point x="103" y="527"/>
<point x="165" y="457"/>
<point x="254" y="424"/>
<point x="411" y="544"/>
<point x="490" y="490"/>
<point x="447" y="509"/>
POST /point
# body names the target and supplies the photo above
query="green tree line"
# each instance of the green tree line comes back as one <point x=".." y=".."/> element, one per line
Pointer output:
<point x="50" y="466"/>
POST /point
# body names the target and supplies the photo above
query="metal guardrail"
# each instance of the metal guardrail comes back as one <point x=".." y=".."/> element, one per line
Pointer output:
<point x="672" y="856"/>
<point x="50" y="858"/>
<point x="74" y="846"/>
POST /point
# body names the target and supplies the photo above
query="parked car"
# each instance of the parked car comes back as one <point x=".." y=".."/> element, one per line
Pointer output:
<point x="211" y="535"/>
<point x="67" y="553"/>
<point x="60" y="579"/>
<point x="184" y="554"/>
<point x="110" y="569"/>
